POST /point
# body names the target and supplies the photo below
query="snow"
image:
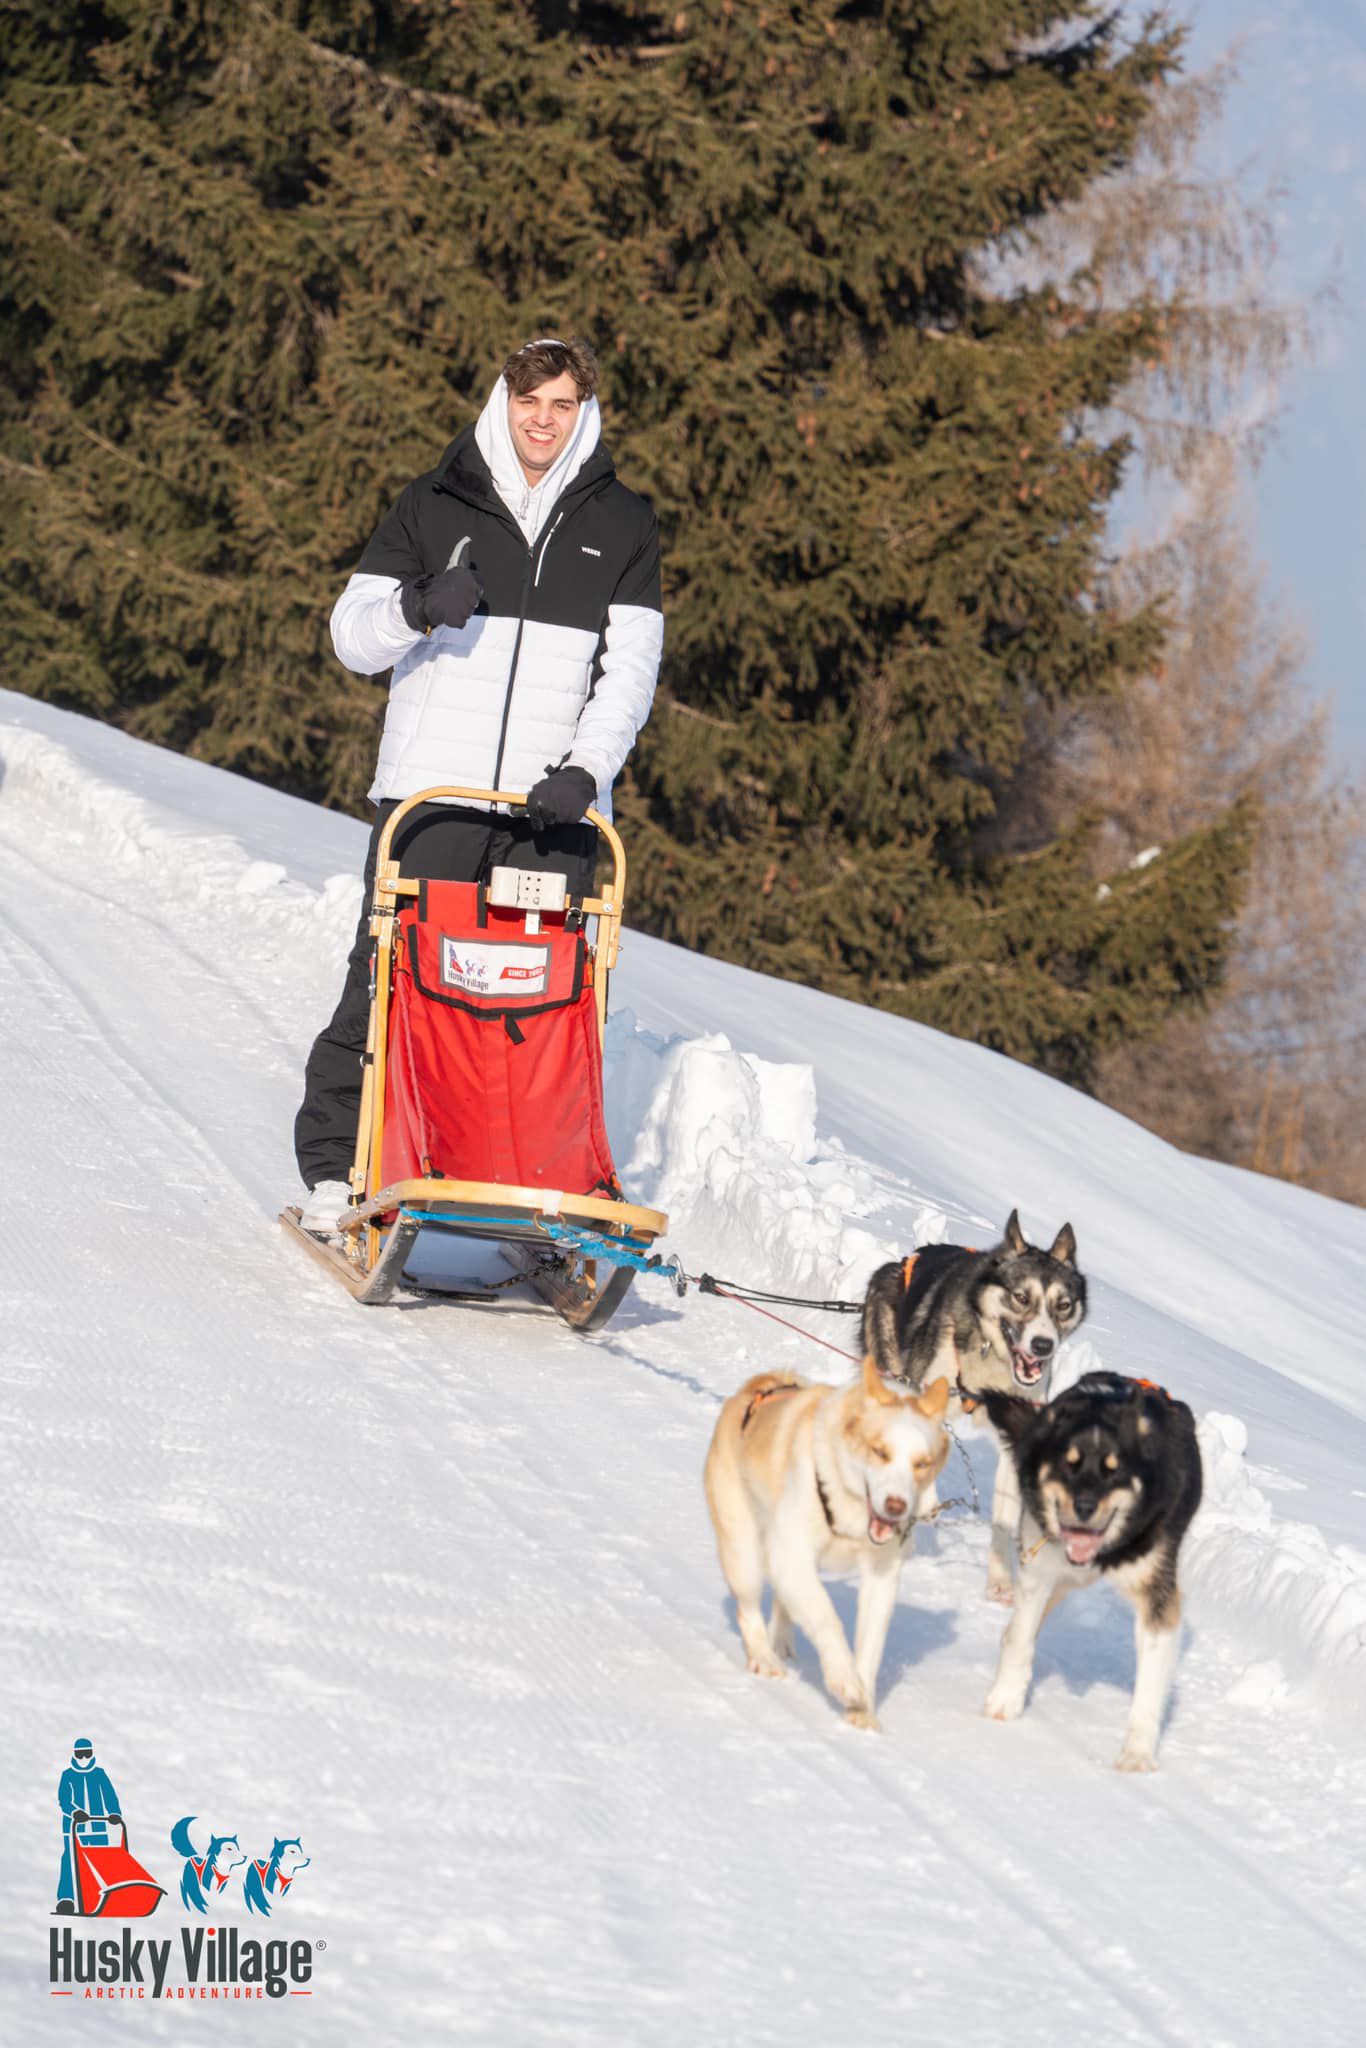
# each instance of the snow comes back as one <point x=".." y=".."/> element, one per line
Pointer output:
<point x="433" y="1587"/>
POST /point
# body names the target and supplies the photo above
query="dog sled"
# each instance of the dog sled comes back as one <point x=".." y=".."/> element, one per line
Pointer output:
<point x="481" y="1110"/>
<point x="110" y="1882"/>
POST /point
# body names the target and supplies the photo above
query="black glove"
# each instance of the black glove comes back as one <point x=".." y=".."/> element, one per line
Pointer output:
<point x="444" y="600"/>
<point x="560" y="798"/>
<point x="115" y="1816"/>
<point x="79" y="1813"/>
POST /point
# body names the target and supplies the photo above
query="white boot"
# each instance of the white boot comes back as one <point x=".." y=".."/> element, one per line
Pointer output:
<point x="327" y="1202"/>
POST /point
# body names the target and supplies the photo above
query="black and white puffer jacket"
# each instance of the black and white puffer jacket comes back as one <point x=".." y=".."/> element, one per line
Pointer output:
<point x="559" y="663"/>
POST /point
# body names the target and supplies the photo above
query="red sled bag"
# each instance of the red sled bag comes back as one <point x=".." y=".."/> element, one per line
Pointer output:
<point x="494" y="1065"/>
<point x="113" y="1885"/>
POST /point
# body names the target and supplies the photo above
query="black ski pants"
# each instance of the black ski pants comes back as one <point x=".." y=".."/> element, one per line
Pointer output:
<point x="440" y="843"/>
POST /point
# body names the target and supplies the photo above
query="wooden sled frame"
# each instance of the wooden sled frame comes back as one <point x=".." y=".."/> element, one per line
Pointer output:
<point x="371" y="1260"/>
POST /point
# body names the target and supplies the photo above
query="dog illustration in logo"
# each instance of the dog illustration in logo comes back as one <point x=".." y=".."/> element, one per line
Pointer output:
<point x="204" y="1877"/>
<point x="277" y="1874"/>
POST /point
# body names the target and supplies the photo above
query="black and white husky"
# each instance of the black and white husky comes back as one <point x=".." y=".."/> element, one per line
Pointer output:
<point x="1110" y="1478"/>
<point x="980" y="1320"/>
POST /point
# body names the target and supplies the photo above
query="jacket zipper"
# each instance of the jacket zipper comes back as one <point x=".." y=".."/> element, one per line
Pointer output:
<point x="545" y="545"/>
<point x="534" y="561"/>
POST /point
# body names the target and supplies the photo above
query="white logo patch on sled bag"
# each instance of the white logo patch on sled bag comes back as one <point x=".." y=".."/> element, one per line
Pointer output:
<point x="483" y="969"/>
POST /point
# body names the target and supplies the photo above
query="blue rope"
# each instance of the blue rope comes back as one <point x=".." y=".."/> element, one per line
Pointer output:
<point x="587" y="1244"/>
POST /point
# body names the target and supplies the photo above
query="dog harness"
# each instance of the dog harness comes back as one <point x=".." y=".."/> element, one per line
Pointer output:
<point x="767" y="1394"/>
<point x="826" y="1508"/>
<point x="970" y="1402"/>
<point x="828" y="1512"/>
<point x="913" y="1259"/>
<point x="1120" y="1387"/>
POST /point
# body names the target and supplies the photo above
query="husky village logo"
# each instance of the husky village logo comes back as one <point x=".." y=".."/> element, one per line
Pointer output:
<point x="482" y="968"/>
<point x="101" y="1879"/>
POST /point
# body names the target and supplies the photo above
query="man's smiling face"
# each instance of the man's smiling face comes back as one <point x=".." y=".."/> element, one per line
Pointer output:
<point x="542" y="422"/>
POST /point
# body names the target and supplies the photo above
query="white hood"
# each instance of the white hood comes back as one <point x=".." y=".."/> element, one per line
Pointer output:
<point x="530" y="503"/>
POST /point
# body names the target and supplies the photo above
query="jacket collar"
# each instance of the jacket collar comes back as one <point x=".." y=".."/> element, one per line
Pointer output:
<point x="463" y="471"/>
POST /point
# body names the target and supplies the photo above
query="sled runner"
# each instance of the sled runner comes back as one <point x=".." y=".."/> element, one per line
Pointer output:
<point x="110" y="1884"/>
<point x="481" y="1108"/>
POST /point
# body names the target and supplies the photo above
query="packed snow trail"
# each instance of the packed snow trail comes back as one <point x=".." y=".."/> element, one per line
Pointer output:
<point x="433" y="1587"/>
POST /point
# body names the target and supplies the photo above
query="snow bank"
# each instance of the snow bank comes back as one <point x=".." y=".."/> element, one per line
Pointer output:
<point x="726" y="1143"/>
<point x="129" y="830"/>
<point x="1300" y="1599"/>
<point x="195" y="873"/>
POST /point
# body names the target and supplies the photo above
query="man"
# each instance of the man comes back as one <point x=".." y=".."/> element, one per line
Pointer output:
<point x="83" y="1793"/>
<point x="514" y="591"/>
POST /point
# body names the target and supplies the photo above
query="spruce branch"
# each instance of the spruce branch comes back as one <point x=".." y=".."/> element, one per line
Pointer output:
<point x="387" y="83"/>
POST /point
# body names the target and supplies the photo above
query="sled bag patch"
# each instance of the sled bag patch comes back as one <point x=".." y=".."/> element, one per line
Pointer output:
<point x="466" y="952"/>
<point x="493" y="970"/>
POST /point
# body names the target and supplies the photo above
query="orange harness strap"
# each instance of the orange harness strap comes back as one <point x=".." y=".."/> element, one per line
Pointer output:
<point x="767" y="1394"/>
<point x="908" y="1263"/>
<point x="970" y="1402"/>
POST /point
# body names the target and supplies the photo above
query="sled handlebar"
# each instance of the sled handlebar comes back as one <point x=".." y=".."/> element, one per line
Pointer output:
<point x="99" y="1820"/>
<point x="607" y="904"/>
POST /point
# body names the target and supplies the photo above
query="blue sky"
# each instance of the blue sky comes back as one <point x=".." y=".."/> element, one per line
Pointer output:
<point x="1296" y="115"/>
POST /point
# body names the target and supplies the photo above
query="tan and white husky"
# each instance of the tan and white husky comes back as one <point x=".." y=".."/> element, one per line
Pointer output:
<point x="805" y="1478"/>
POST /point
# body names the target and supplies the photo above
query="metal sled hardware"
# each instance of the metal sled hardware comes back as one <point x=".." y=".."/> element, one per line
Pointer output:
<point x="481" y="1107"/>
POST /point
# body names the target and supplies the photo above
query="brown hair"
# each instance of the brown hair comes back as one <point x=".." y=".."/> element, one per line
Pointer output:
<point x="537" y="362"/>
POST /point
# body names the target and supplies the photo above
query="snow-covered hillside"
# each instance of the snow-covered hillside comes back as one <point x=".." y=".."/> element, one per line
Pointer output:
<point x="433" y="1588"/>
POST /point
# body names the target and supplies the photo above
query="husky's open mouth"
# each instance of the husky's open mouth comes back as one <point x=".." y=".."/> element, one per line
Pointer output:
<point x="1027" y="1369"/>
<point x="1082" y="1545"/>
<point x="881" y="1530"/>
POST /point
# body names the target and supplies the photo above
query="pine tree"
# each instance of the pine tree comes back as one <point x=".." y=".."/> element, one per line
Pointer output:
<point x="1269" y="1075"/>
<point x="266" y="254"/>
